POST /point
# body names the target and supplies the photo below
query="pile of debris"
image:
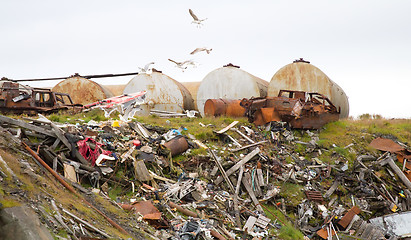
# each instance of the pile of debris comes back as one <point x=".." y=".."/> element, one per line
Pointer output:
<point x="235" y="188"/>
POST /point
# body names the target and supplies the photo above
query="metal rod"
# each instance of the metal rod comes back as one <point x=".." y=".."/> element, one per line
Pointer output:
<point x="75" y="75"/>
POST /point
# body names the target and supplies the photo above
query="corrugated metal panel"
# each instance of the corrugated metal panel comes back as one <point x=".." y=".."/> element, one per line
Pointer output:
<point x="82" y="90"/>
<point x="163" y="92"/>
<point x="302" y="76"/>
<point x="229" y="83"/>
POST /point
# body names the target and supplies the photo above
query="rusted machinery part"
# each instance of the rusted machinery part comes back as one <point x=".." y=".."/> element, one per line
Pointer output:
<point x="300" y="109"/>
<point x="177" y="145"/>
<point x="70" y="188"/>
<point x="223" y="107"/>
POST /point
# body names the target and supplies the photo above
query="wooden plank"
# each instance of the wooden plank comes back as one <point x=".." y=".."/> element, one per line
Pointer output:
<point x="397" y="170"/>
<point x="140" y="169"/>
<point x="55" y="164"/>
<point x="220" y="167"/>
<point x="240" y="163"/>
<point x="55" y="144"/>
<point x="260" y="177"/>
<point x="70" y="173"/>
<point x="29" y="126"/>
<point x="249" y="225"/>
<point x="227" y="128"/>
<point x="248" y="146"/>
<point x="332" y="189"/>
<point x="255" y="184"/>
<point x="60" y="134"/>
<point x="246" y="182"/>
<point x="235" y="199"/>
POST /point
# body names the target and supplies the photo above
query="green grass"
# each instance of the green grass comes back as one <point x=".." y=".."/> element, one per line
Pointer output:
<point x="287" y="231"/>
<point x="292" y="193"/>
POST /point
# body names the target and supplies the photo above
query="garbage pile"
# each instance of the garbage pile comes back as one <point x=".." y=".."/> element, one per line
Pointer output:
<point x="244" y="183"/>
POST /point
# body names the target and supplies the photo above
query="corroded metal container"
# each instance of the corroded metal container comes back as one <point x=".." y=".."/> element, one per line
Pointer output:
<point x="223" y="107"/>
<point x="163" y="93"/>
<point x="303" y="76"/>
<point x="82" y="90"/>
<point x="177" y="145"/>
<point x="229" y="83"/>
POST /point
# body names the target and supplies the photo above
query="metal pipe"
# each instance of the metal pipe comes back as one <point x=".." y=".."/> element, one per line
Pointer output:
<point x="75" y="75"/>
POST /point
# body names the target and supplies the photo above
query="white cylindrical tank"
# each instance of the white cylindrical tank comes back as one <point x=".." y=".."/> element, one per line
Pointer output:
<point x="82" y="90"/>
<point x="229" y="82"/>
<point x="303" y="76"/>
<point x="163" y="93"/>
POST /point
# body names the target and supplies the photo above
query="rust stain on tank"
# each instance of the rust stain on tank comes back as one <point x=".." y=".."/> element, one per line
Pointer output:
<point x="302" y="76"/>
<point x="82" y="90"/>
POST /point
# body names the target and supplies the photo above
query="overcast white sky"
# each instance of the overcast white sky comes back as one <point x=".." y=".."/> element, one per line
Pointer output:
<point x="363" y="46"/>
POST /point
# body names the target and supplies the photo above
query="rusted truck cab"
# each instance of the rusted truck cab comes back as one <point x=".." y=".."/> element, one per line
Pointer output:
<point x="17" y="98"/>
<point x="300" y="109"/>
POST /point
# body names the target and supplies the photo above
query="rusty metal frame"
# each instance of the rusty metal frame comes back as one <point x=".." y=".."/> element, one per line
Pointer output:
<point x="16" y="98"/>
<point x="305" y="110"/>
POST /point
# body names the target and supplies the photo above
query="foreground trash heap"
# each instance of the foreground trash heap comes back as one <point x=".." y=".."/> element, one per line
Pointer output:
<point x="235" y="187"/>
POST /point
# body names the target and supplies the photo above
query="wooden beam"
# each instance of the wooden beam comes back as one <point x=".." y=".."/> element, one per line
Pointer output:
<point x="246" y="182"/>
<point x="240" y="163"/>
<point x="220" y="167"/>
<point x="60" y="135"/>
<point x="29" y="126"/>
<point x="227" y="128"/>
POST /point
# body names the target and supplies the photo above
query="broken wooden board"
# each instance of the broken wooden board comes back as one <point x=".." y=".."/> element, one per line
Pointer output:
<point x="227" y="128"/>
<point x="246" y="182"/>
<point x="60" y="135"/>
<point x="70" y="172"/>
<point x="29" y="126"/>
<point x="140" y="169"/>
<point x="240" y="163"/>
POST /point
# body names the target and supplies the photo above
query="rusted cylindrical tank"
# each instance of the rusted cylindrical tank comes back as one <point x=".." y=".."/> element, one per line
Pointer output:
<point x="163" y="93"/>
<point x="192" y="87"/>
<point x="223" y="107"/>
<point x="303" y="76"/>
<point x="177" y="145"/>
<point x="232" y="83"/>
<point x="117" y="90"/>
<point x="82" y="90"/>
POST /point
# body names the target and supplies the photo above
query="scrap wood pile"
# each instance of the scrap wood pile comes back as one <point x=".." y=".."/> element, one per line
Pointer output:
<point x="246" y="183"/>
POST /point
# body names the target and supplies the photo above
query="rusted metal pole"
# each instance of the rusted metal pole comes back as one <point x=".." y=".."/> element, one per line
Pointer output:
<point x="70" y="188"/>
<point x="183" y="210"/>
<point x="217" y="235"/>
<point x="75" y="75"/>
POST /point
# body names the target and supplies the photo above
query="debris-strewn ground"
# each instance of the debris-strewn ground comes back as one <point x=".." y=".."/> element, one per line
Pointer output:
<point x="204" y="178"/>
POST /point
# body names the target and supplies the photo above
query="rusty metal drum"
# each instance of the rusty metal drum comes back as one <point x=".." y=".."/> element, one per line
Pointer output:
<point x="223" y="107"/>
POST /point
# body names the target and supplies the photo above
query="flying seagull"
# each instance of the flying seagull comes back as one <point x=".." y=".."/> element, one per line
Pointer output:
<point x="197" y="50"/>
<point x="146" y="67"/>
<point x="183" y="65"/>
<point x="196" y="20"/>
